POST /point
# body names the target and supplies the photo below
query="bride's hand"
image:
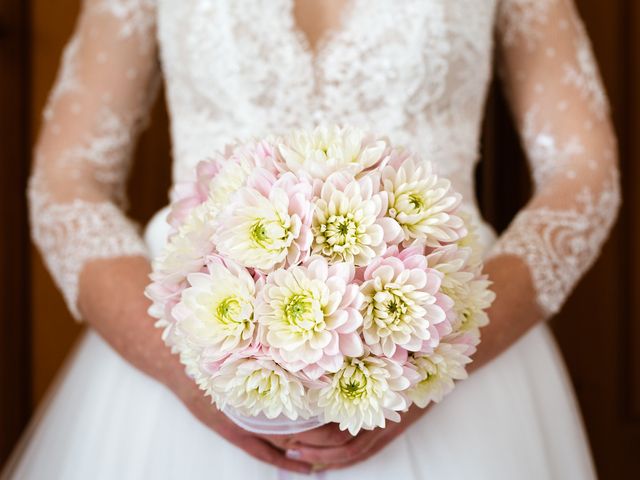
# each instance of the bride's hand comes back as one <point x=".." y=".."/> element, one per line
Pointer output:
<point x="356" y="449"/>
<point x="326" y="436"/>
<point x="128" y="328"/>
<point x="257" y="446"/>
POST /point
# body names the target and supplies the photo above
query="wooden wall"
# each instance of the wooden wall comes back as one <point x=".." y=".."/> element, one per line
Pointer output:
<point x="15" y="367"/>
<point x="599" y="329"/>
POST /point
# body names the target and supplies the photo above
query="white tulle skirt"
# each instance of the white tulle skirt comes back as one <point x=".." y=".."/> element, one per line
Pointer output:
<point x="516" y="418"/>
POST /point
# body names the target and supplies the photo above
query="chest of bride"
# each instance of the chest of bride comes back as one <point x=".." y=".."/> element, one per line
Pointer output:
<point x="386" y="62"/>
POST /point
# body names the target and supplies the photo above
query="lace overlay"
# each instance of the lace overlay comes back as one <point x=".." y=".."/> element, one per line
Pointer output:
<point x="99" y="104"/>
<point x="559" y="101"/>
<point x="415" y="70"/>
<point x="76" y="232"/>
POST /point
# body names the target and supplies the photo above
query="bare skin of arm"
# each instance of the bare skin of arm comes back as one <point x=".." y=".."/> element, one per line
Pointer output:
<point x="112" y="301"/>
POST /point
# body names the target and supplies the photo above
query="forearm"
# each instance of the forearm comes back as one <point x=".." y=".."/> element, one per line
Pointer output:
<point x="513" y="312"/>
<point x="111" y="299"/>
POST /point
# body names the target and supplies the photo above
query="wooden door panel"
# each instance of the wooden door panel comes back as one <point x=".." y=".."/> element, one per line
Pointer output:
<point x="14" y="240"/>
<point x="632" y="211"/>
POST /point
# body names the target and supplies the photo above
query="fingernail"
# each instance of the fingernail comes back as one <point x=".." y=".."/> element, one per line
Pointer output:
<point x="293" y="454"/>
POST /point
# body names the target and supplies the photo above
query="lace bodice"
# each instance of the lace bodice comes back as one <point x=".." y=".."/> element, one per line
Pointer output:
<point x="415" y="70"/>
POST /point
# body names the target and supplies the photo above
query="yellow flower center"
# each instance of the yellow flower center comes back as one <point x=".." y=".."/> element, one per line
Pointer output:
<point x="340" y="232"/>
<point x="301" y="311"/>
<point x="259" y="233"/>
<point x="428" y="370"/>
<point x="395" y="307"/>
<point x="229" y="309"/>
<point x="416" y="201"/>
<point x="271" y="234"/>
<point x="390" y="310"/>
<point x="355" y="386"/>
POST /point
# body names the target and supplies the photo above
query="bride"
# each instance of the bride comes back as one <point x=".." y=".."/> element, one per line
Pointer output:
<point x="415" y="70"/>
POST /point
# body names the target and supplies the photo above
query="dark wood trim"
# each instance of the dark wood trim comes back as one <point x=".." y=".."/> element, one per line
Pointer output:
<point x="630" y="156"/>
<point x="15" y="405"/>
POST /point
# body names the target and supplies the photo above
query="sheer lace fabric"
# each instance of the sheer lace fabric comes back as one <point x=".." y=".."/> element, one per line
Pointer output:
<point x="416" y="71"/>
<point x="97" y="107"/>
<point x="559" y="102"/>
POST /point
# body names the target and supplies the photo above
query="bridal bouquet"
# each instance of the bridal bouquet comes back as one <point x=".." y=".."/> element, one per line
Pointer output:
<point x="323" y="276"/>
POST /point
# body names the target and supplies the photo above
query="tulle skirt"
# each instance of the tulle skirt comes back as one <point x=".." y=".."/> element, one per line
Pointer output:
<point x="515" y="418"/>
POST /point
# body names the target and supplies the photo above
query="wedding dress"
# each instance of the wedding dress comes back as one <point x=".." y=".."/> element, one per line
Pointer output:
<point x="415" y="70"/>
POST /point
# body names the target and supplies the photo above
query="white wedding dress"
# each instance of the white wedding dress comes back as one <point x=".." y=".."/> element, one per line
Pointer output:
<point x="415" y="70"/>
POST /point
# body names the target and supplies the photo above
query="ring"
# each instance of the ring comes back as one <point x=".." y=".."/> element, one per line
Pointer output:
<point x="318" y="466"/>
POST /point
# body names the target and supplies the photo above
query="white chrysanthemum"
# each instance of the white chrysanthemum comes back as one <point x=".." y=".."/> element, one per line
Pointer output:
<point x="399" y="304"/>
<point x="254" y="386"/>
<point x="309" y="315"/>
<point x="186" y="249"/>
<point x="236" y="166"/>
<point x="326" y="150"/>
<point x="348" y="225"/>
<point x="422" y="203"/>
<point x="231" y="177"/>
<point x="437" y="372"/>
<point x="453" y="262"/>
<point x="470" y="299"/>
<point x="216" y="310"/>
<point x="364" y="393"/>
<point x="471" y="241"/>
<point x="263" y="232"/>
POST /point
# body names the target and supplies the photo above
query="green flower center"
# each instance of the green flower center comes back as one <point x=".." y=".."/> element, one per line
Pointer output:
<point x="427" y="369"/>
<point x="416" y="201"/>
<point x="228" y="309"/>
<point x="396" y="308"/>
<point x="340" y="231"/>
<point x="259" y="233"/>
<point x="300" y="312"/>
<point x="261" y="385"/>
<point x="390" y="308"/>
<point x="270" y="234"/>
<point x="232" y="311"/>
<point x="355" y="386"/>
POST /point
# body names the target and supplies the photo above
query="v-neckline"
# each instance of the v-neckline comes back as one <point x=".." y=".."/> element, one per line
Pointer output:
<point x="327" y="37"/>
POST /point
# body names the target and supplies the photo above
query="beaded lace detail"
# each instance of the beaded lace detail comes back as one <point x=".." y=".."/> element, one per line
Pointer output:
<point x="415" y="70"/>
<point x="98" y="105"/>
<point x="559" y="101"/>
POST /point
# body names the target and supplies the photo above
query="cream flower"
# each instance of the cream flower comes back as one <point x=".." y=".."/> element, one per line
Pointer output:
<point x="216" y="310"/>
<point x="236" y="168"/>
<point x="257" y="385"/>
<point x="453" y="262"/>
<point x="187" y="248"/>
<point x="437" y="372"/>
<point x="348" y="223"/>
<point x="326" y="150"/>
<point x="219" y="177"/>
<point x="364" y="393"/>
<point x="264" y="230"/>
<point x="400" y="305"/>
<point x="471" y="241"/>
<point x="309" y="316"/>
<point x="471" y="299"/>
<point x="423" y="204"/>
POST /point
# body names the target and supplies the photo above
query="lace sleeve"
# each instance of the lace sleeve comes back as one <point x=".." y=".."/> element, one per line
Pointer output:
<point x="97" y="107"/>
<point x="561" y="109"/>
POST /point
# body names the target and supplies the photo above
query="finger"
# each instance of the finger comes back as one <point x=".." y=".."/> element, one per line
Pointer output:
<point x="283" y="442"/>
<point x="340" y="454"/>
<point x="262" y="450"/>
<point x="379" y="442"/>
<point x="326" y="436"/>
